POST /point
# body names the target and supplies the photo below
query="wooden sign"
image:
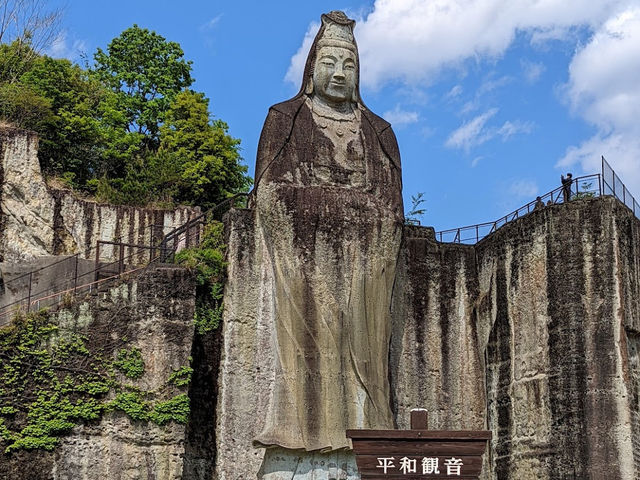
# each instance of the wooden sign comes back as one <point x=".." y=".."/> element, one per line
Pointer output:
<point x="418" y="453"/>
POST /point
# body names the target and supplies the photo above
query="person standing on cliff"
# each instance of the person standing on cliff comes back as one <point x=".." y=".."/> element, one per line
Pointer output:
<point x="566" y="186"/>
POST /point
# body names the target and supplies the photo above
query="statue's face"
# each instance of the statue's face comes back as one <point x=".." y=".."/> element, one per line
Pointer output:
<point x="334" y="74"/>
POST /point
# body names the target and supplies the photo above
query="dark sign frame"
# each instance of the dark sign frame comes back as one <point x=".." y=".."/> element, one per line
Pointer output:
<point x="419" y="454"/>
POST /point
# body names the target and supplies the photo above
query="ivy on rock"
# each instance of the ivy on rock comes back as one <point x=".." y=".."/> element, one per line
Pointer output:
<point x="50" y="382"/>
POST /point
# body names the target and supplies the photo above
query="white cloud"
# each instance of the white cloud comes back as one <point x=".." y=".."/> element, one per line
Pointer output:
<point x="296" y="68"/>
<point x="603" y="89"/>
<point x="211" y="24"/>
<point x="398" y="117"/>
<point x="509" y="129"/>
<point x="532" y="71"/>
<point x="476" y="132"/>
<point x="490" y="84"/>
<point x="471" y="133"/>
<point x="61" y="47"/>
<point x="455" y="92"/>
<point x="541" y="36"/>
<point x="413" y="39"/>
<point x="476" y="161"/>
<point x="523" y="188"/>
<point x="427" y="131"/>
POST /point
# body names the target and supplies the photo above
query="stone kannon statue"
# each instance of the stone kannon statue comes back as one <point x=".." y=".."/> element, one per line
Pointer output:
<point x="329" y="215"/>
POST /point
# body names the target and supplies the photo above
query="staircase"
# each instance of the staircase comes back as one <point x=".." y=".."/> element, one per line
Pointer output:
<point x="125" y="259"/>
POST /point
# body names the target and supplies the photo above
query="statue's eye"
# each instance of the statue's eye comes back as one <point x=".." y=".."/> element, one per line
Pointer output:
<point x="349" y="66"/>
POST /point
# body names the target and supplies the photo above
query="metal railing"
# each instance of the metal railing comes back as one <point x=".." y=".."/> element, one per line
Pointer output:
<point x="612" y="185"/>
<point x="126" y="259"/>
<point x="606" y="183"/>
<point x="71" y="260"/>
<point x="188" y="234"/>
<point x="585" y="186"/>
<point x="63" y="289"/>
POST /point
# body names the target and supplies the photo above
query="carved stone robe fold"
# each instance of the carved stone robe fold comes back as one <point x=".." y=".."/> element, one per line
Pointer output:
<point x="329" y="217"/>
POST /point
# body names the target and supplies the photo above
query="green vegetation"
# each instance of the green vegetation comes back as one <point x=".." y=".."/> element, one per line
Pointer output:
<point x="127" y="130"/>
<point x="414" y="214"/>
<point x="50" y="381"/>
<point x="584" y="191"/>
<point x="130" y="362"/>
<point x="207" y="260"/>
<point x="181" y="377"/>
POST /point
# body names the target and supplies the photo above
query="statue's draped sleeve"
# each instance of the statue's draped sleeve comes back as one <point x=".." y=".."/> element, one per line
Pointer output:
<point x="275" y="133"/>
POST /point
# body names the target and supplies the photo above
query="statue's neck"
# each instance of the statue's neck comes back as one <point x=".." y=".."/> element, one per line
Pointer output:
<point x="324" y="103"/>
<point x="339" y="111"/>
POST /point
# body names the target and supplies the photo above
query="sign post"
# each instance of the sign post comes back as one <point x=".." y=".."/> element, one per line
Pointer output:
<point x="419" y="453"/>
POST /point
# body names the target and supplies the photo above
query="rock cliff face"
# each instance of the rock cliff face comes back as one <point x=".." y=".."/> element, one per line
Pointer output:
<point x="153" y="313"/>
<point x="530" y="333"/>
<point x="36" y="220"/>
<point x="533" y="333"/>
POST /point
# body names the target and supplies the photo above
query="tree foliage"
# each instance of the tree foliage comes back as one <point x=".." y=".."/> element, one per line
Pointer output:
<point x="128" y="130"/>
<point x="207" y="261"/>
<point x="146" y="72"/>
<point x="199" y="153"/>
<point x="72" y="135"/>
<point x="416" y="211"/>
<point x="28" y="25"/>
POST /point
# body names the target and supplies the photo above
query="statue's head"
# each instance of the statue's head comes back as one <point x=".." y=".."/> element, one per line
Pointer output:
<point x="332" y="69"/>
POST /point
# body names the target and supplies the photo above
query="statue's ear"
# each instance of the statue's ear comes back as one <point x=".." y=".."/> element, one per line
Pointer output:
<point x="308" y="89"/>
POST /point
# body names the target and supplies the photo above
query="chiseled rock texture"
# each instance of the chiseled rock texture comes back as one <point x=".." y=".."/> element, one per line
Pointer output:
<point x="533" y="333"/>
<point x="154" y="312"/>
<point x="36" y="220"/>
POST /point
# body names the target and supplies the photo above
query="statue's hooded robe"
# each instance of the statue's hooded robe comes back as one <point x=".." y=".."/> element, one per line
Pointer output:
<point x="329" y="222"/>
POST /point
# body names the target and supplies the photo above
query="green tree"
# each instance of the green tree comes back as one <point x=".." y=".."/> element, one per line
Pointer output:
<point x="16" y="58"/>
<point x="413" y="216"/>
<point x="72" y="138"/>
<point x="129" y="131"/>
<point x="20" y="104"/>
<point x="146" y="72"/>
<point x="207" y="158"/>
<point x="24" y="107"/>
<point x="27" y="26"/>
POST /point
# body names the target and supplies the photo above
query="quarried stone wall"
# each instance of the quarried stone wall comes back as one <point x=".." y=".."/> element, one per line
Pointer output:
<point x="533" y="333"/>
<point x="153" y="313"/>
<point x="248" y="352"/>
<point x="36" y="220"/>
<point x="544" y="316"/>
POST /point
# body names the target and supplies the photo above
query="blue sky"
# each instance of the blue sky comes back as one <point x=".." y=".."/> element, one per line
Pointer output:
<point x="491" y="100"/>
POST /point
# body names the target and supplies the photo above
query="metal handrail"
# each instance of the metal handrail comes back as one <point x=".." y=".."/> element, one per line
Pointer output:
<point x="471" y="234"/>
<point x="626" y="198"/>
<point x="87" y="253"/>
<point x="174" y="236"/>
<point x="163" y="248"/>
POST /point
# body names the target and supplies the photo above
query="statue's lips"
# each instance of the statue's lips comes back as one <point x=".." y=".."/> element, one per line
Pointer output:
<point x="337" y="84"/>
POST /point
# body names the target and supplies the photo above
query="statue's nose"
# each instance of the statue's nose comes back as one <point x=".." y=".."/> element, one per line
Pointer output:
<point x="339" y="73"/>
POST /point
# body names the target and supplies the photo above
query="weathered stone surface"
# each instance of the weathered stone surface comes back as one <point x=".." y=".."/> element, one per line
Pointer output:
<point x="285" y="464"/>
<point x="246" y="372"/>
<point x="534" y="333"/>
<point x="329" y="212"/>
<point x="120" y="449"/>
<point x="154" y="313"/>
<point x="541" y="303"/>
<point x="437" y="362"/>
<point x="558" y="387"/>
<point x="37" y="221"/>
